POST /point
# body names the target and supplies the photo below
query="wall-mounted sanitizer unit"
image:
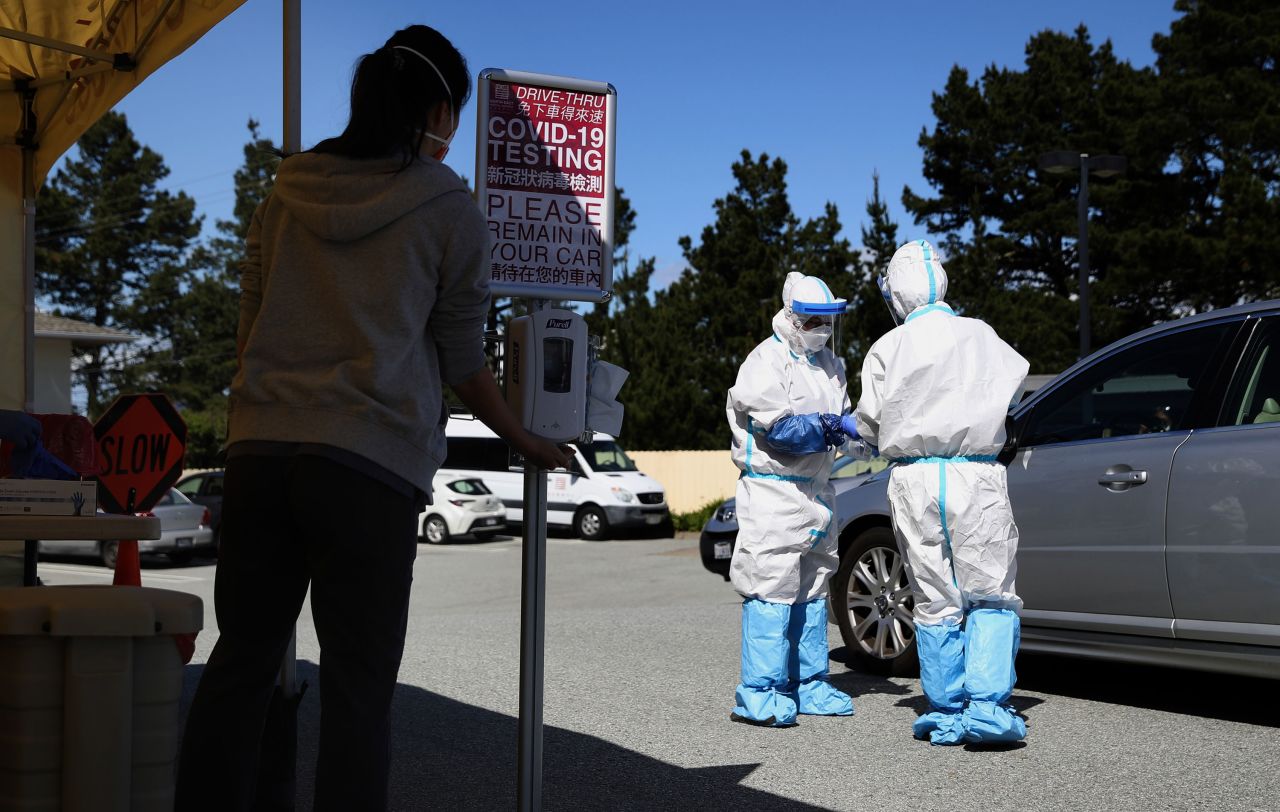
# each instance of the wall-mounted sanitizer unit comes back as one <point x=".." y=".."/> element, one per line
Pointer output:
<point x="546" y="362"/>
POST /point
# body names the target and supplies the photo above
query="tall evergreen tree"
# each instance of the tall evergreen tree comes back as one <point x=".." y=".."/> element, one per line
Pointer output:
<point x="204" y="348"/>
<point x="112" y="247"/>
<point x="1220" y="82"/>
<point x="1008" y="229"/>
<point x="868" y="317"/>
<point x="705" y="323"/>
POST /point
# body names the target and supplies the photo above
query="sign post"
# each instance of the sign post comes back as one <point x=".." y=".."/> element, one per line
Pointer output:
<point x="545" y="181"/>
<point x="141" y="444"/>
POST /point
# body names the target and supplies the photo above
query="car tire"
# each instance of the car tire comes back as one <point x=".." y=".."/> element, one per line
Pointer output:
<point x="873" y="601"/>
<point x="434" y="530"/>
<point x="590" y="523"/>
<point x="109" y="551"/>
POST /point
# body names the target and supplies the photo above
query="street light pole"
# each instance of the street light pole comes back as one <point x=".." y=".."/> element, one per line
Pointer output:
<point x="1104" y="166"/>
<point x="1082" y="247"/>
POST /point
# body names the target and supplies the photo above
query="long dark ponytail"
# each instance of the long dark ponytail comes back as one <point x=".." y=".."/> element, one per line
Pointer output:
<point x="394" y="90"/>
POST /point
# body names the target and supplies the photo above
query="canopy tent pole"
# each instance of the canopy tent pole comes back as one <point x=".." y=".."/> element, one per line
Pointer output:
<point x="292" y="143"/>
<point x="27" y="141"/>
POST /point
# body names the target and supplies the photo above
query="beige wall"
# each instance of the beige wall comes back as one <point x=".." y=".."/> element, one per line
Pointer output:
<point x="694" y="478"/>
<point x="690" y="478"/>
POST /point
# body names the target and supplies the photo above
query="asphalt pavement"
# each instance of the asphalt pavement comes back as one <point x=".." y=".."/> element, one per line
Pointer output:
<point x="641" y="663"/>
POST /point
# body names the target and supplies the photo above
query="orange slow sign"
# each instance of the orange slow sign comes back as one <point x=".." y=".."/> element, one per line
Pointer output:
<point x="141" y="442"/>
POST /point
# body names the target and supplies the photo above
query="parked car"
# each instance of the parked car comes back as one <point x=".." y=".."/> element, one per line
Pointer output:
<point x="184" y="531"/>
<point x="1144" y="481"/>
<point x="462" y="505"/>
<point x="602" y="491"/>
<point x="205" y="488"/>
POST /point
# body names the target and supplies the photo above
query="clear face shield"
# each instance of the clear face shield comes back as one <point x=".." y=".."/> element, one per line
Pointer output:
<point x="817" y="323"/>
<point x="883" y="284"/>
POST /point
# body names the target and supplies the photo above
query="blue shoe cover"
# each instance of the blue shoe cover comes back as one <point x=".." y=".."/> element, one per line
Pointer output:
<point x="991" y="644"/>
<point x="760" y="706"/>
<point x="990" y="722"/>
<point x="942" y="662"/>
<point x="765" y="692"/>
<point x="939" y="727"/>
<point x="820" y="698"/>
<point x="809" y="663"/>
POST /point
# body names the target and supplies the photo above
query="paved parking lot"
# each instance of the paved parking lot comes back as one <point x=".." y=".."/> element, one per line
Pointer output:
<point x="641" y="661"/>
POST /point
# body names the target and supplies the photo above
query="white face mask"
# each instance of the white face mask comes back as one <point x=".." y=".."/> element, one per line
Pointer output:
<point x="444" y="148"/>
<point x="815" y="339"/>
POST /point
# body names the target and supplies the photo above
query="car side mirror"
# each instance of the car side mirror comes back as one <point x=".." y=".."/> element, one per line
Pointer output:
<point x="1010" y="449"/>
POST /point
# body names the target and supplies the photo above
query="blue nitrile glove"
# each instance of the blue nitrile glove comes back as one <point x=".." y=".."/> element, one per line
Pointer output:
<point x="19" y="428"/>
<point x="832" y="432"/>
<point x="849" y="425"/>
<point x="805" y="433"/>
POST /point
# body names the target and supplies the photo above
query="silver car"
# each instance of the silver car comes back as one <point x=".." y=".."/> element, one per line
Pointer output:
<point x="1145" y="481"/>
<point x="184" y="530"/>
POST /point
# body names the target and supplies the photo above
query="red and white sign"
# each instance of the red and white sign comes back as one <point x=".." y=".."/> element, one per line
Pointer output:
<point x="544" y="167"/>
<point x="141" y="442"/>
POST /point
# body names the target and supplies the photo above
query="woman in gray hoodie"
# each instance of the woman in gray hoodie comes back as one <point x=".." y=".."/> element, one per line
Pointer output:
<point x="364" y="291"/>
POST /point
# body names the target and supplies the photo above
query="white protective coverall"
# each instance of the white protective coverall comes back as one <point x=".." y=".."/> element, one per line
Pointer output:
<point x="786" y="546"/>
<point x="935" y="394"/>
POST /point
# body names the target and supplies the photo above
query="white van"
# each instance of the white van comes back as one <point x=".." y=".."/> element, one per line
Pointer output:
<point x="601" y="492"/>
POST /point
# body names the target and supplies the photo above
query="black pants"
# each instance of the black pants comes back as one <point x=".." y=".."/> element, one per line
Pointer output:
<point x="290" y="522"/>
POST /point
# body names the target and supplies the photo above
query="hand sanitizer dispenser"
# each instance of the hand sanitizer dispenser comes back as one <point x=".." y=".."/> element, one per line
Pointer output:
<point x="546" y="363"/>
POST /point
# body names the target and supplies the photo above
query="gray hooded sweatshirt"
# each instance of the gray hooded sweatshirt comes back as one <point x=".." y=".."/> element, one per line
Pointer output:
<point x="363" y="288"/>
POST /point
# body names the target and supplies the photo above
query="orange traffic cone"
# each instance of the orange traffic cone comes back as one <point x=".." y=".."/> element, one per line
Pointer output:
<point x="128" y="567"/>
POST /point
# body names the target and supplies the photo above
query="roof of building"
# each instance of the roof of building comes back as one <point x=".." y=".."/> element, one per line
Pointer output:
<point x="79" y="332"/>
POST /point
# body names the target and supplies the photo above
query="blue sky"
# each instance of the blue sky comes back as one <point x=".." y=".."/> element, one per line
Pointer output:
<point x="836" y="89"/>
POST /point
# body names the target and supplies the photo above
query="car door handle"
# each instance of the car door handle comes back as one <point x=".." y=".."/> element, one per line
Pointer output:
<point x="1122" y="477"/>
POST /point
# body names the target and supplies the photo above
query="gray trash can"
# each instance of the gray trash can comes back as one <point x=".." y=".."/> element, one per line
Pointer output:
<point x="90" y="681"/>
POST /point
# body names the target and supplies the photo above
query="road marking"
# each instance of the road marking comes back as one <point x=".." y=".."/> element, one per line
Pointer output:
<point x="106" y="574"/>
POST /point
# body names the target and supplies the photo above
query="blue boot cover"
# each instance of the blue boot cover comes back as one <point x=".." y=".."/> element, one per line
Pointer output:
<point x="942" y="653"/>
<point x="809" y="661"/>
<point x="765" y="691"/>
<point x="991" y="643"/>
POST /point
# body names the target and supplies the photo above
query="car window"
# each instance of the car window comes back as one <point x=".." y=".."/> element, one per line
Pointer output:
<point x="214" y="487"/>
<point x="478" y="454"/>
<point x="606" y="455"/>
<point x="191" y="487"/>
<point x="1254" y="396"/>
<point x="1140" y="390"/>
<point x="468" y="486"/>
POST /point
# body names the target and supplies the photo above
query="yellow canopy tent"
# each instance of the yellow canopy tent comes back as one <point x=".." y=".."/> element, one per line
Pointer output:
<point x="63" y="63"/>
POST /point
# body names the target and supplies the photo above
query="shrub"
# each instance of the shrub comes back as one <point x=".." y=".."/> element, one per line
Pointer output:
<point x="694" y="520"/>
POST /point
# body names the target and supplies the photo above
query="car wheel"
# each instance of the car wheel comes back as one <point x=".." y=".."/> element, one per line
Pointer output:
<point x="434" y="530"/>
<point x="109" y="551"/>
<point x="591" y="524"/>
<point x="873" y="603"/>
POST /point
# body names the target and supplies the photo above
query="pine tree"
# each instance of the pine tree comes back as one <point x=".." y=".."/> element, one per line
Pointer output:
<point x="112" y="248"/>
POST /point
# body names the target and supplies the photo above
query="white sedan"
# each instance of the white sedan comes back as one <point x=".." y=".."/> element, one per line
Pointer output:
<point x="184" y="529"/>
<point x="463" y="505"/>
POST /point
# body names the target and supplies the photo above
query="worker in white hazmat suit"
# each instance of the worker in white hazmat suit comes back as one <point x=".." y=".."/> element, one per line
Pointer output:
<point x="935" y="394"/>
<point x="789" y="413"/>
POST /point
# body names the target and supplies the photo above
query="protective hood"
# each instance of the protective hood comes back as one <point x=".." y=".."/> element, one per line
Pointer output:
<point x="804" y="296"/>
<point x="915" y="278"/>
<point x="345" y="199"/>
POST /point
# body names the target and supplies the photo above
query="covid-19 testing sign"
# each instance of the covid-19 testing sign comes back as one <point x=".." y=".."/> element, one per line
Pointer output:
<point x="544" y="179"/>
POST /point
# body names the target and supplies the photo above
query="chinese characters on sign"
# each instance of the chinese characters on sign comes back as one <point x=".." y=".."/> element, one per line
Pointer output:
<point x="546" y="187"/>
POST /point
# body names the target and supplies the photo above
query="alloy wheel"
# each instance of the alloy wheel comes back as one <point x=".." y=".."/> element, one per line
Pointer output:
<point x="880" y="601"/>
